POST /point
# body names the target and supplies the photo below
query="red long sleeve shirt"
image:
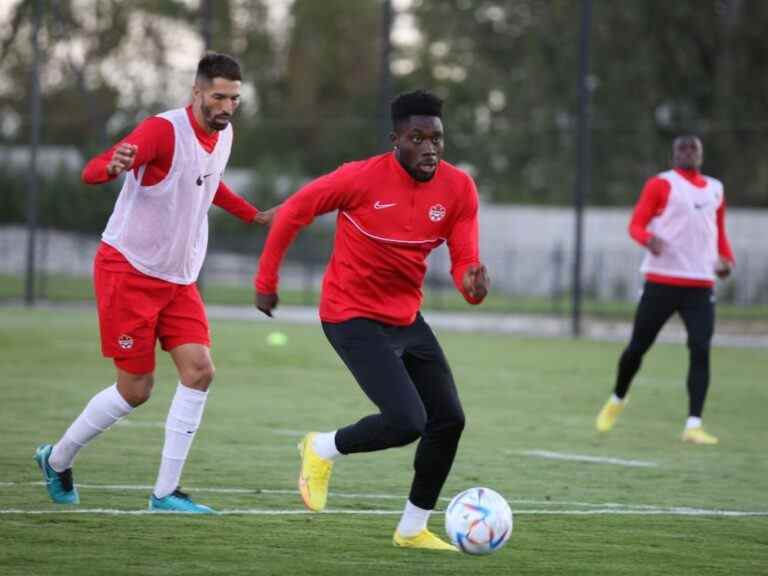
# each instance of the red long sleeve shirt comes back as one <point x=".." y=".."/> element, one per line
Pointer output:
<point x="653" y="200"/>
<point x="387" y="225"/>
<point x="155" y="140"/>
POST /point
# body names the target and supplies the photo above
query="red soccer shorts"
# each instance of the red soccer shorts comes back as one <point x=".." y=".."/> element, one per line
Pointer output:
<point x="135" y="310"/>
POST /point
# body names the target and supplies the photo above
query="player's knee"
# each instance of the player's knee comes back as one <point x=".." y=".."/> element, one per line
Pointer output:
<point x="207" y="373"/>
<point x="450" y="424"/>
<point x="405" y="436"/>
<point x="136" y="389"/>
<point x="199" y="375"/>
<point x="699" y="350"/>
<point x="457" y="422"/>
<point x="633" y="354"/>
<point x="408" y="429"/>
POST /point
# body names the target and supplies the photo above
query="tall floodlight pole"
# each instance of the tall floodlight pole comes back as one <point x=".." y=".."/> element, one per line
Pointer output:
<point x="385" y="75"/>
<point x="206" y="22"/>
<point x="33" y="180"/>
<point x="583" y="165"/>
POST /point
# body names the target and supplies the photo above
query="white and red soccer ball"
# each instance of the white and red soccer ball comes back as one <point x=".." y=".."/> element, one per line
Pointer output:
<point x="478" y="521"/>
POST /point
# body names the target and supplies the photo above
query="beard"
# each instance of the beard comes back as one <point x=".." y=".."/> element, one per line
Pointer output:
<point x="422" y="176"/>
<point x="215" y="121"/>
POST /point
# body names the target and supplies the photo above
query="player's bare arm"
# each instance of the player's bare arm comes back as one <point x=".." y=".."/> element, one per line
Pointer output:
<point x="476" y="282"/>
<point x="267" y="302"/>
<point x="122" y="159"/>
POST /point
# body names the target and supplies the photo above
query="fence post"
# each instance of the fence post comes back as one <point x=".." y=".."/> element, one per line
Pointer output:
<point x="33" y="192"/>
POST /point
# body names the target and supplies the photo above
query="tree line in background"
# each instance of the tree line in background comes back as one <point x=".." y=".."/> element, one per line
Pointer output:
<point x="508" y="71"/>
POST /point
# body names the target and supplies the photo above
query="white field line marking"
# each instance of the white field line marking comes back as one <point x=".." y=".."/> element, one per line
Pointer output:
<point x="584" y="458"/>
<point x="158" y="424"/>
<point x="373" y="512"/>
<point x="268" y="491"/>
<point x="593" y="508"/>
<point x="674" y="511"/>
<point x="277" y="492"/>
<point x="245" y="511"/>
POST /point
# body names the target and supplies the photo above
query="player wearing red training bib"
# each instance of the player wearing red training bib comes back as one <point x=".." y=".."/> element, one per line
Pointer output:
<point x="680" y="219"/>
<point x="145" y="274"/>
<point x="393" y="210"/>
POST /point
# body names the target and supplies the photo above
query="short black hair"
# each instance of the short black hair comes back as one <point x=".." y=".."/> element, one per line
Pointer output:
<point x="686" y="136"/>
<point x="416" y="103"/>
<point x="217" y="65"/>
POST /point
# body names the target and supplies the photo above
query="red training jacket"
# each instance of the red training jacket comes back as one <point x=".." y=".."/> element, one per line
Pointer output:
<point x="387" y="224"/>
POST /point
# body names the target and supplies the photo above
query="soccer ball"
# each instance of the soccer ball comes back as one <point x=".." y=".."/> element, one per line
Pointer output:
<point x="478" y="521"/>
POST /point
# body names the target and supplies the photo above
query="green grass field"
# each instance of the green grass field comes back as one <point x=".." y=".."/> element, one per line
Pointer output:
<point x="520" y="395"/>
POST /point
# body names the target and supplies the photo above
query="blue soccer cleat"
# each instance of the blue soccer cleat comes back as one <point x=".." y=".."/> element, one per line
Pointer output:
<point x="60" y="486"/>
<point x="178" y="501"/>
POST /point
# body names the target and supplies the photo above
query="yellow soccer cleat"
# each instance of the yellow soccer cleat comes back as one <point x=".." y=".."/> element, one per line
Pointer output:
<point x="607" y="417"/>
<point x="697" y="435"/>
<point x="424" y="540"/>
<point x="314" y="475"/>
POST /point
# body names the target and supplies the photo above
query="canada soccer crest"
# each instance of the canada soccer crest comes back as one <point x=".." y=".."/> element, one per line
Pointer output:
<point x="437" y="212"/>
<point x="125" y="342"/>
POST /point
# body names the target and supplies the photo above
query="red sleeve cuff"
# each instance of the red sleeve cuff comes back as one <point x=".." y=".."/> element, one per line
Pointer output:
<point x="235" y="204"/>
<point x="265" y="285"/>
<point x="95" y="171"/>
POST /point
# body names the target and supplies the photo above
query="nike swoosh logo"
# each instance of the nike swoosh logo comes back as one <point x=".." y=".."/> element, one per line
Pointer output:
<point x="200" y="178"/>
<point x="699" y="206"/>
<point x="379" y="206"/>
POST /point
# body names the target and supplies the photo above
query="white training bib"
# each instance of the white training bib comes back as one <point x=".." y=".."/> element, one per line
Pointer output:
<point x="162" y="229"/>
<point x="688" y="226"/>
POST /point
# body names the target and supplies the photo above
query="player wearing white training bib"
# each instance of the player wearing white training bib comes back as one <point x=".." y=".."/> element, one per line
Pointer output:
<point x="145" y="271"/>
<point x="162" y="229"/>
<point x="680" y="219"/>
<point x="688" y="227"/>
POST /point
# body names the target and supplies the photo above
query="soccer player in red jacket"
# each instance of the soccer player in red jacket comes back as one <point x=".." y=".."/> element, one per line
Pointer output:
<point x="145" y="274"/>
<point x="393" y="210"/>
<point x="680" y="219"/>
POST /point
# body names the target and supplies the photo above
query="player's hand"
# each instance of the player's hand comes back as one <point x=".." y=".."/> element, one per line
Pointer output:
<point x="122" y="159"/>
<point x="476" y="282"/>
<point x="723" y="268"/>
<point x="265" y="218"/>
<point x="266" y="302"/>
<point x="655" y="245"/>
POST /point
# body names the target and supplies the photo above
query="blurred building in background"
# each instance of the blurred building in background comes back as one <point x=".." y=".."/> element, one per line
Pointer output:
<point x="314" y="97"/>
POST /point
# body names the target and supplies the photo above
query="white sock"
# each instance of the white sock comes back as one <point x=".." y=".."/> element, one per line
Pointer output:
<point x="616" y="400"/>
<point x="413" y="520"/>
<point x="324" y="444"/>
<point x="183" y="420"/>
<point x="103" y="410"/>
<point x="692" y="422"/>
